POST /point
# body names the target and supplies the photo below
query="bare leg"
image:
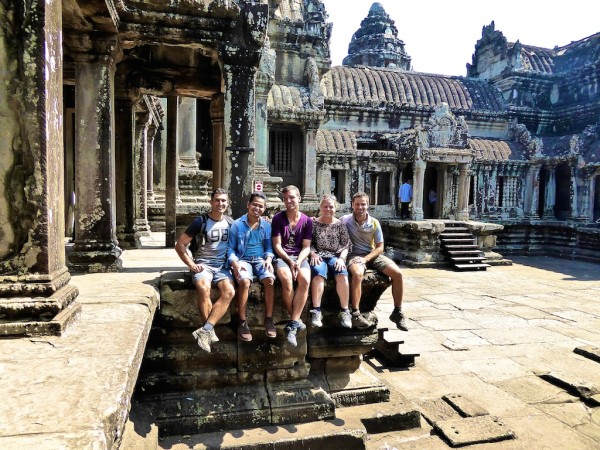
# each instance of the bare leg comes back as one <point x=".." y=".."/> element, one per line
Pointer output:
<point x="269" y="290"/>
<point x="343" y="290"/>
<point x="220" y="307"/>
<point x="301" y="294"/>
<point x="316" y="288"/>
<point x="242" y="297"/>
<point x="393" y="271"/>
<point x="204" y="303"/>
<point x="357" y="271"/>
<point x="287" y="287"/>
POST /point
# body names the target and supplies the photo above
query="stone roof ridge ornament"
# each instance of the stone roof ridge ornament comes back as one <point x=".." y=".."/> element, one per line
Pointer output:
<point x="519" y="133"/>
<point x="311" y="70"/>
<point x="444" y="129"/>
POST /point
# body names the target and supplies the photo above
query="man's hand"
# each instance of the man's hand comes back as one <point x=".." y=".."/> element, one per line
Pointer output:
<point x="357" y="260"/>
<point x="196" y="268"/>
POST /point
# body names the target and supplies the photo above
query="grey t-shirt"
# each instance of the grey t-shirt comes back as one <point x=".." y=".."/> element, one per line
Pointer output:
<point x="365" y="237"/>
<point x="213" y="251"/>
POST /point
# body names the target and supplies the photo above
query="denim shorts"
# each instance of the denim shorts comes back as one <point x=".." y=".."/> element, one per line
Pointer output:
<point x="281" y="264"/>
<point x="212" y="274"/>
<point x="254" y="268"/>
<point x="327" y="267"/>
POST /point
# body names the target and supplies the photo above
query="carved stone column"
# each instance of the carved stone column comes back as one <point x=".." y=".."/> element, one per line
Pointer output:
<point x="95" y="246"/>
<point x="140" y="167"/>
<point x="418" y="184"/>
<point x="150" y="164"/>
<point x="532" y="191"/>
<point x="124" y="112"/>
<point x="239" y="128"/>
<point x="310" y="165"/>
<point x="187" y="133"/>
<point x="35" y="295"/>
<point x="462" y="208"/>
<point x="550" y="193"/>
<point x="216" y="114"/>
<point x="171" y="172"/>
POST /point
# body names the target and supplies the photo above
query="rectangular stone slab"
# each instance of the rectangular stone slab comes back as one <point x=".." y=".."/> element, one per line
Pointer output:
<point x="473" y="430"/>
<point x="464" y="405"/>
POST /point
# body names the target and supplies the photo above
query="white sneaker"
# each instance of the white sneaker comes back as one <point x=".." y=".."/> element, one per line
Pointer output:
<point x="203" y="338"/>
<point x="291" y="337"/>
<point x="345" y="319"/>
<point x="213" y="336"/>
<point x="316" y="318"/>
<point x="360" y="321"/>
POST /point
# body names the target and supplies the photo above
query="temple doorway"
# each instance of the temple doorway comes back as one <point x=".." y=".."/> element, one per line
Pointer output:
<point x="430" y="192"/>
<point x="562" y="209"/>
<point x="596" y="186"/>
<point x="542" y="192"/>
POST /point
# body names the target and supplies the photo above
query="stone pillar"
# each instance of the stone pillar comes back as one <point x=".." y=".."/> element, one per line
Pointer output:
<point x="216" y="114"/>
<point x="310" y="165"/>
<point x="239" y="129"/>
<point x="171" y="174"/>
<point x="140" y="167"/>
<point x="187" y="133"/>
<point x="492" y="187"/>
<point x="125" y="188"/>
<point x="36" y="297"/>
<point x="419" y="167"/>
<point x="532" y="191"/>
<point x="150" y="164"/>
<point x="95" y="246"/>
<point x="550" y="193"/>
<point x="462" y="208"/>
<point x="441" y="188"/>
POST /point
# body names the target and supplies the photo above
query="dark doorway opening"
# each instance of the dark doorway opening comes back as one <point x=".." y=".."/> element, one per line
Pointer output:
<point x="430" y="193"/>
<point x="562" y="208"/>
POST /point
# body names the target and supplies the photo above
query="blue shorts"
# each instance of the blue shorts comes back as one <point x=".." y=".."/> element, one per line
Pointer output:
<point x="254" y="268"/>
<point x="327" y="267"/>
<point x="212" y="274"/>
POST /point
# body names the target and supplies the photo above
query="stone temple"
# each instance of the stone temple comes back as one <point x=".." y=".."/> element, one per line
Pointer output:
<point x="120" y="116"/>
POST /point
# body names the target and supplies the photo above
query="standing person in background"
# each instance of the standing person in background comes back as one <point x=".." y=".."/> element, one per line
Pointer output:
<point x="209" y="235"/>
<point x="328" y="252"/>
<point x="292" y="233"/>
<point x="405" y="196"/>
<point x="250" y="253"/>
<point x="367" y="252"/>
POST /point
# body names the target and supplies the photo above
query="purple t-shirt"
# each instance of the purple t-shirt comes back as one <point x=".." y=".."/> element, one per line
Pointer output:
<point x="291" y="239"/>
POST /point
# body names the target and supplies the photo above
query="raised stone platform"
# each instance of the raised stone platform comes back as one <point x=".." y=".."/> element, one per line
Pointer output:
<point x="262" y="382"/>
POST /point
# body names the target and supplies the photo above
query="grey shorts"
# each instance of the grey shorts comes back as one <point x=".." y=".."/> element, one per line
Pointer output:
<point x="380" y="263"/>
<point x="281" y="264"/>
<point x="212" y="274"/>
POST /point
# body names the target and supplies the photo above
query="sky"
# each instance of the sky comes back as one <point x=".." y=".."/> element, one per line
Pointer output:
<point x="440" y="35"/>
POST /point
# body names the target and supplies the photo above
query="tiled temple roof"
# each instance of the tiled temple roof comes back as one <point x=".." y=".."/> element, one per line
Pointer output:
<point x="288" y="98"/>
<point x="335" y="141"/>
<point x="536" y="59"/>
<point x="578" y="54"/>
<point x="496" y="150"/>
<point x="368" y="86"/>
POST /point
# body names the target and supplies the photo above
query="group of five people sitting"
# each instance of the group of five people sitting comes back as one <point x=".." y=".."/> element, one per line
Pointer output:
<point x="294" y="248"/>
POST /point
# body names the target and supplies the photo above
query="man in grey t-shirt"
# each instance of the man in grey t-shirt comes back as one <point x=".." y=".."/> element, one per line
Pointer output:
<point x="210" y="234"/>
<point x="367" y="252"/>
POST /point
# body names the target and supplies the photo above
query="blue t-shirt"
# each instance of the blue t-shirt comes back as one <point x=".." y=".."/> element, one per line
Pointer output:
<point x="254" y="248"/>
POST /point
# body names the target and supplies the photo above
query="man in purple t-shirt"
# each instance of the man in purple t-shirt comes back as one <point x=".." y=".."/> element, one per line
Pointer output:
<point x="292" y="235"/>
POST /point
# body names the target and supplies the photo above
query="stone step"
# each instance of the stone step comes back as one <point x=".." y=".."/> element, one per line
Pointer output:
<point x="457" y="240"/>
<point x="469" y="259"/>
<point x="392" y="353"/>
<point x="465" y="252"/>
<point x="455" y="235"/>
<point x="461" y="247"/>
<point x="348" y="430"/>
<point x="473" y="266"/>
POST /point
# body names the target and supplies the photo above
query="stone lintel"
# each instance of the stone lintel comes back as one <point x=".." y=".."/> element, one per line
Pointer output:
<point x="39" y="316"/>
<point x="473" y="430"/>
<point x="464" y="405"/>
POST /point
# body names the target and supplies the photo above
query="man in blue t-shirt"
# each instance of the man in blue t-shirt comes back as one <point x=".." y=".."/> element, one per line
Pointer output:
<point x="210" y="233"/>
<point x="250" y="253"/>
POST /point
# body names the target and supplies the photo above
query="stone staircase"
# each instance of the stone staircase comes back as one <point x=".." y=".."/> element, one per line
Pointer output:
<point x="458" y="244"/>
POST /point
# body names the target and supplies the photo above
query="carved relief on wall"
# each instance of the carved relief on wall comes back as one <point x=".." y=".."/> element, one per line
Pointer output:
<point x="445" y="130"/>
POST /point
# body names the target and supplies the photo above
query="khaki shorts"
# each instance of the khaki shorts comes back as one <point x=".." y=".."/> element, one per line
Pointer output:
<point x="379" y="263"/>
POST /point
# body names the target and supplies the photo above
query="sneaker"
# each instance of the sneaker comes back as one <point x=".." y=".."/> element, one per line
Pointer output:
<point x="345" y="319"/>
<point x="399" y="320"/>
<point x="270" y="329"/>
<point x="213" y="336"/>
<point x="359" y="321"/>
<point x="300" y="325"/>
<point x="316" y="318"/>
<point x="244" y="331"/>
<point x="291" y="337"/>
<point x="203" y="338"/>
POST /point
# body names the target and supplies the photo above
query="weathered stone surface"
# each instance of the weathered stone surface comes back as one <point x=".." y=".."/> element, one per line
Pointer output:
<point x="436" y="410"/>
<point x="297" y="402"/>
<point x="465" y="405"/>
<point x="473" y="430"/>
<point x="589" y="351"/>
<point x="573" y="383"/>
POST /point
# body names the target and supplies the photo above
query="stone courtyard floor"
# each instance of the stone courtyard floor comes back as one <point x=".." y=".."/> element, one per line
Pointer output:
<point x="498" y="343"/>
